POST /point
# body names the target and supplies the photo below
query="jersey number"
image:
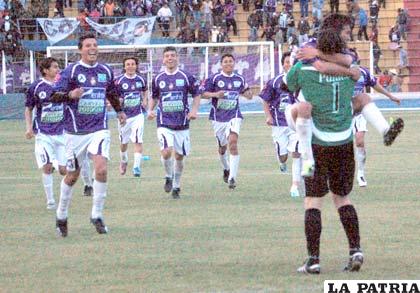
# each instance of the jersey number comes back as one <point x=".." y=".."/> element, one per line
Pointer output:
<point x="336" y="97"/>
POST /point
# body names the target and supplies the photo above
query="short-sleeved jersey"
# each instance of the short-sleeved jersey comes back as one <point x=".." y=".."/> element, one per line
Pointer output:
<point x="131" y="90"/>
<point x="171" y="90"/>
<point x="366" y="80"/>
<point x="276" y="94"/>
<point x="87" y="114"/>
<point x="330" y="97"/>
<point x="49" y="116"/>
<point x="226" y="108"/>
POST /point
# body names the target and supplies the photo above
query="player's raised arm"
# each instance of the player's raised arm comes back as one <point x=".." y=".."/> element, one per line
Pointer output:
<point x="383" y="91"/>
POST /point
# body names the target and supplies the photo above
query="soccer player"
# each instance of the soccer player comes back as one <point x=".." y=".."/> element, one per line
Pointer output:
<point x="329" y="103"/>
<point x="133" y="88"/>
<point x="84" y="86"/>
<point x="47" y="127"/>
<point x="276" y="98"/>
<point x="223" y="89"/>
<point x="170" y="89"/>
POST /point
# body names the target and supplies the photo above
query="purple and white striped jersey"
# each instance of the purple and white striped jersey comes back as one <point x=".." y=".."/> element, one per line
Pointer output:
<point x="49" y="117"/>
<point x="132" y="90"/>
<point x="171" y="90"/>
<point x="278" y="97"/>
<point x="88" y="114"/>
<point x="366" y="80"/>
<point x="227" y="108"/>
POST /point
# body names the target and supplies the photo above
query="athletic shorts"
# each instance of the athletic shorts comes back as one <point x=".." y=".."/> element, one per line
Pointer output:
<point x="177" y="139"/>
<point x="132" y="130"/>
<point x="289" y="119"/>
<point x="222" y="130"/>
<point x="78" y="147"/>
<point x="285" y="140"/>
<point x="360" y="124"/>
<point x="334" y="170"/>
<point x="49" y="148"/>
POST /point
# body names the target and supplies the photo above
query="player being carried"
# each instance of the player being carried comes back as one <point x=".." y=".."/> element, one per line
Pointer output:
<point x="223" y="89"/>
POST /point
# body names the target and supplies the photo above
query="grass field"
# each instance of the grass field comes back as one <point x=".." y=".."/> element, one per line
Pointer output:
<point x="212" y="239"/>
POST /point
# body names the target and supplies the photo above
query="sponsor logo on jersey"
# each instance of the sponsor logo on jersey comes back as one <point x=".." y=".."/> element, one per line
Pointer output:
<point x="236" y="83"/>
<point x="139" y="84"/>
<point x="125" y="86"/>
<point x="220" y="83"/>
<point x="179" y="82"/>
<point x="101" y="77"/>
<point x="162" y="84"/>
<point x="81" y="78"/>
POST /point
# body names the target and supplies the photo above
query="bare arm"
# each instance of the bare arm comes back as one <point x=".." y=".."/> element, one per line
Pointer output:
<point x="383" y="91"/>
<point x="247" y="94"/>
<point x="210" y="95"/>
<point x="268" y="117"/>
<point x="28" y="121"/>
<point x="335" y="69"/>
<point x="151" y="114"/>
<point x="194" y="109"/>
<point x="308" y="53"/>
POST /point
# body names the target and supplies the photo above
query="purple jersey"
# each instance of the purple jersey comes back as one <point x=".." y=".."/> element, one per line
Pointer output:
<point x="276" y="94"/>
<point x="131" y="89"/>
<point x="365" y="80"/>
<point x="171" y="91"/>
<point x="88" y="114"/>
<point x="226" y="108"/>
<point x="49" y="117"/>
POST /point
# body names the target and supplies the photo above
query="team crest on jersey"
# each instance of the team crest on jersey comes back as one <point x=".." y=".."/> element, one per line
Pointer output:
<point x="42" y="95"/>
<point x="92" y="81"/>
<point x="125" y="86"/>
<point x="139" y="84"/>
<point x="220" y="83"/>
<point x="230" y="86"/>
<point x="162" y="84"/>
<point x="179" y="82"/>
<point x="171" y="86"/>
<point x="101" y="77"/>
<point x="236" y="83"/>
<point x="81" y="78"/>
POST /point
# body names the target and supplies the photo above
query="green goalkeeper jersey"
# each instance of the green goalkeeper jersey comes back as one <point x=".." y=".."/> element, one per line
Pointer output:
<point x="330" y="97"/>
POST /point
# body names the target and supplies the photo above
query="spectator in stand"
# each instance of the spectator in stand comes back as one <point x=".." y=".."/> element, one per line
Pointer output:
<point x="164" y="15"/>
<point x="363" y="22"/>
<point x="284" y="16"/>
<point x="288" y="5"/>
<point x="317" y="6"/>
<point x="207" y="12"/>
<point x="396" y="82"/>
<point x="395" y="38"/>
<point x="95" y="14"/>
<point x="334" y="5"/>
<point x="304" y="7"/>
<point x="196" y="10"/>
<point x="229" y="11"/>
<point x="316" y="23"/>
<point x="303" y="29"/>
<point x="373" y="37"/>
<point x="59" y="8"/>
<point x="269" y="8"/>
<point x="260" y="12"/>
<point x="402" y="21"/>
<point x="279" y="38"/>
<point x="376" y="56"/>
<point x="269" y="32"/>
<point x="85" y="27"/>
<point x="385" y="79"/>
<point x="2" y="8"/>
<point x="374" y="12"/>
<point x="218" y="12"/>
<point x="291" y="29"/>
<point x="245" y="5"/>
<point x="253" y="24"/>
<point x="109" y="10"/>
<point x="403" y="58"/>
<point x="214" y="33"/>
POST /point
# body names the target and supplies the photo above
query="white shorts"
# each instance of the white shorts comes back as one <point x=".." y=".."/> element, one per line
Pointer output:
<point x="222" y="130"/>
<point x="289" y="119"/>
<point x="78" y="147"/>
<point x="49" y="148"/>
<point x="360" y="124"/>
<point x="177" y="139"/>
<point x="285" y="139"/>
<point x="132" y="130"/>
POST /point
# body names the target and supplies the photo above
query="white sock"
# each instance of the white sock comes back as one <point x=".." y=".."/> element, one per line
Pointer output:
<point x="169" y="167"/>
<point x="304" y="133"/>
<point x="178" y="167"/>
<point x="224" y="159"/>
<point x="98" y="201"/>
<point x="65" y="198"/>
<point x="47" y="180"/>
<point x="124" y="157"/>
<point x="85" y="173"/>
<point x="137" y="159"/>
<point x="361" y="160"/>
<point x="296" y="169"/>
<point x="234" y="165"/>
<point x="375" y="117"/>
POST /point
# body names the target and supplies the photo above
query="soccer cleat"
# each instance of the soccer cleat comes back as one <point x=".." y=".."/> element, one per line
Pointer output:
<point x="175" y="193"/>
<point x="395" y="129"/>
<point x="308" y="168"/>
<point x="311" y="266"/>
<point x="361" y="180"/>
<point x="355" y="262"/>
<point x="232" y="183"/>
<point x="168" y="184"/>
<point x="283" y="167"/>
<point x="51" y="205"/>
<point x="88" y="191"/>
<point x="294" y="191"/>
<point x="136" y="172"/>
<point x="61" y="227"/>
<point x="225" y="176"/>
<point x="99" y="225"/>
<point x="123" y="168"/>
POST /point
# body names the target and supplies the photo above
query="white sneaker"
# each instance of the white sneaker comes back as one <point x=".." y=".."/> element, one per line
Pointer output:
<point x="361" y="180"/>
<point x="308" y="168"/>
<point x="294" y="191"/>
<point x="51" y="205"/>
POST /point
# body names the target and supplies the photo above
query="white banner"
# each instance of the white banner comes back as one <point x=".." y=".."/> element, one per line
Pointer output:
<point x="58" y="29"/>
<point x="130" y="31"/>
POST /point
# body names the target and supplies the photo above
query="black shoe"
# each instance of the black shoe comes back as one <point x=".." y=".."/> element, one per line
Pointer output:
<point x="355" y="262"/>
<point x="225" y="175"/>
<point x="61" y="227"/>
<point x="394" y="130"/>
<point x="232" y="184"/>
<point x="88" y="191"/>
<point x="311" y="266"/>
<point x="168" y="184"/>
<point x="175" y="193"/>
<point x="99" y="225"/>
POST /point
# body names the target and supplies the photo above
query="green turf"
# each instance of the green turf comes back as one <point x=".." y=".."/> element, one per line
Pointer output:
<point x="212" y="239"/>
